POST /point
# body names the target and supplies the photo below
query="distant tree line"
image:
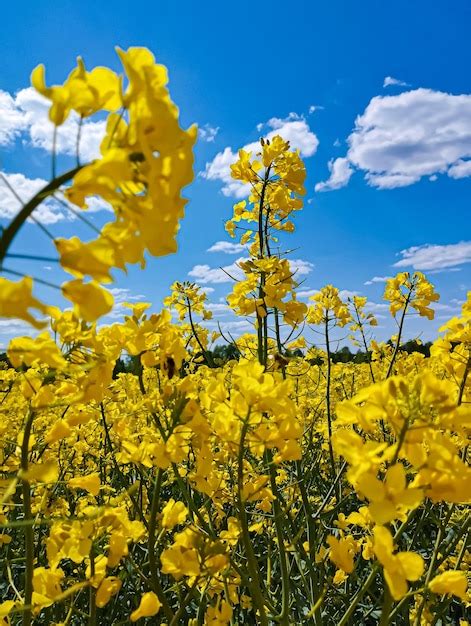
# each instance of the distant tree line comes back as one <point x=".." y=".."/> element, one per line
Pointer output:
<point x="221" y="354"/>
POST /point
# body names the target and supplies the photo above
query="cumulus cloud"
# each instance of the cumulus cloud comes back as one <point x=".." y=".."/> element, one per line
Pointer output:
<point x="205" y="274"/>
<point x="12" y="120"/>
<point x="436" y="257"/>
<point x="399" y="139"/>
<point x="49" y="211"/>
<point x="11" y="328"/>
<point x="235" y="328"/>
<point x="227" y="247"/>
<point x="307" y="293"/>
<point x="340" y="173"/>
<point x="377" y="279"/>
<point x="389" y="81"/>
<point x="218" y="308"/>
<point x="122" y="295"/>
<point x="461" y="169"/>
<point x="293" y="128"/>
<point x="26" y="115"/>
<point x="208" y="133"/>
<point x="299" y="267"/>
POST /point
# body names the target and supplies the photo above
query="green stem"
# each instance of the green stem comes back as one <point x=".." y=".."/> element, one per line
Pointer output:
<point x="399" y="334"/>
<point x="361" y="592"/>
<point x="252" y="565"/>
<point x="27" y="515"/>
<point x="20" y="218"/>
<point x="92" y="592"/>
<point x="283" y="617"/>
<point x="387" y="606"/>
<point x="328" y="407"/>
<point x="151" y="546"/>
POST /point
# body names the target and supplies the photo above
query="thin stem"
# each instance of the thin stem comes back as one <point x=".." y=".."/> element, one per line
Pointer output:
<point x="399" y="334"/>
<point x="283" y="617"/>
<point x="252" y="565"/>
<point x="328" y="408"/>
<point x="27" y="515"/>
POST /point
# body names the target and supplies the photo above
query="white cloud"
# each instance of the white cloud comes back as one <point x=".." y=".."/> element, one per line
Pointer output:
<point x="219" y="169"/>
<point x="293" y="128"/>
<point x="207" y="290"/>
<point x="300" y="267"/>
<point x="208" y="133"/>
<point x="26" y="113"/>
<point x="12" y="120"/>
<point x="35" y="108"/>
<point x="307" y="293"/>
<point x="205" y="274"/>
<point x="377" y="279"/>
<point x="10" y="328"/>
<point x="399" y="139"/>
<point x="340" y="173"/>
<point x="376" y="306"/>
<point x="344" y="294"/>
<point x="235" y="328"/>
<point x="228" y="273"/>
<point x="461" y="169"/>
<point x="227" y="247"/>
<point x="390" y="81"/>
<point x="436" y="257"/>
<point x="47" y="213"/>
<point x="122" y="295"/>
<point x="218" y="308"/>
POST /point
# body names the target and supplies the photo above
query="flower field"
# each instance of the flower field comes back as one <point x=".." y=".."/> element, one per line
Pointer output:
<point x="278" y="486"/>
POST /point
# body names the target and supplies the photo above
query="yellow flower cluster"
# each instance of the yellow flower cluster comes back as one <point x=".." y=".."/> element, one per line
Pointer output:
<point x="276" y="486"/>
<point x="145" y="161"/>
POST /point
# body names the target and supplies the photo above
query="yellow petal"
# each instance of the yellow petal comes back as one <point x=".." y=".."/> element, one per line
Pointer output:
<point x="148" y="606"/>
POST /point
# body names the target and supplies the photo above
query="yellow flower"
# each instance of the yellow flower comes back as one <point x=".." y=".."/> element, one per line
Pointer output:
<point x="108" y="587"/>
<point x="452" y="582"/>
<point x="47" y="472"/>
<point x="60" y="430"/>
<point x="35" y="350"/>
<point x="16" y="299"/>
<point x="90" y="483"/>
<point x="342" y="552"/>
<point x="390" y="499"/>
<point x="173" y="513"/>
<point x="46" y="585"/>
<point x="148" y="606"/>
<point x="90" y="300"/>
<point x="398" y="568"/>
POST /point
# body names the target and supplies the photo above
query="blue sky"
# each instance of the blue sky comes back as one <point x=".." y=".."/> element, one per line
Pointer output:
<point x="376" y="95"/>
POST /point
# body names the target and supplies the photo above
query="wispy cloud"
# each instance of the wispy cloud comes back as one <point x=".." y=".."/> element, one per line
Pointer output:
<point x="226" y="247"/>
<point x="377" y="279"/>
<point x="436" y="257"/>
<point x="389" y="81"/>
<point x="208" y="133"/>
